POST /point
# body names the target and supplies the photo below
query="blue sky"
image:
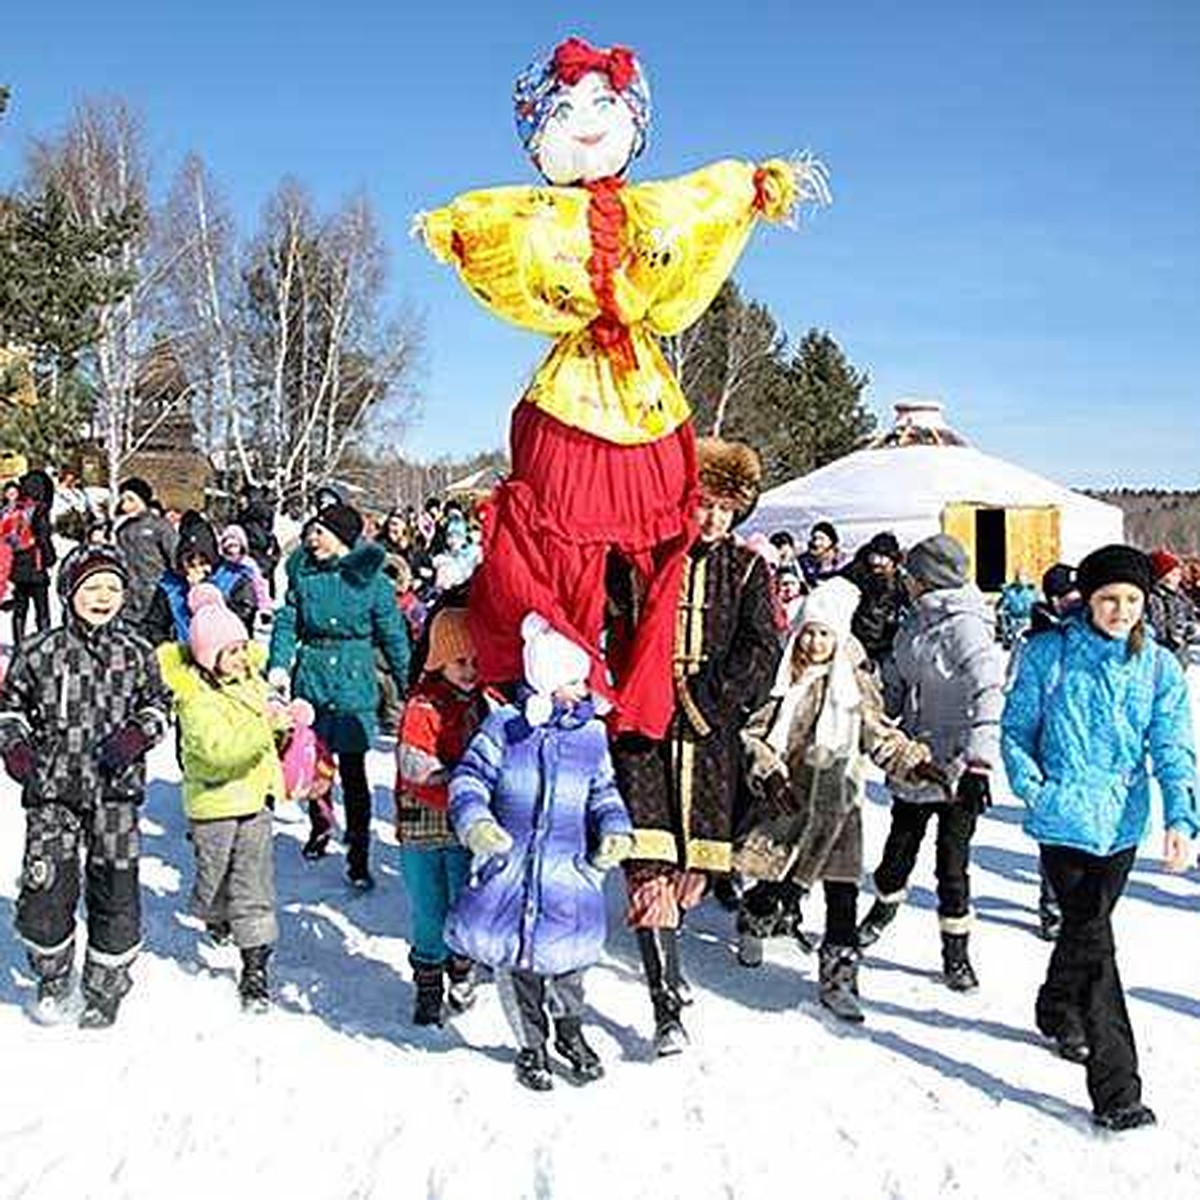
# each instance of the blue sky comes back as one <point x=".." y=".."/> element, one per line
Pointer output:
<point x="1016" y="227"/>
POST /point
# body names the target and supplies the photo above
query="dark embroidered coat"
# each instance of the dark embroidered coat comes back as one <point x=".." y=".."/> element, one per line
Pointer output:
<point x="681" y="791"/>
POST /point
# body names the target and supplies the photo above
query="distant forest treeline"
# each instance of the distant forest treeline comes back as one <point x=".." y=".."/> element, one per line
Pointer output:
<point x="1154" y="517"/>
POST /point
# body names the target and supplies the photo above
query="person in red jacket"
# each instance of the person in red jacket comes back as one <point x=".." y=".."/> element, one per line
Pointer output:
<point x="442" y="713"/>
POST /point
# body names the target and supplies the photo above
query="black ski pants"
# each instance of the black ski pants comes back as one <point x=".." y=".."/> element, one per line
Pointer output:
<point x="955" y="828"/>
<point x="106" y="837"/>
<point x="24" y="594"/>
<point x="1082" y="984"/>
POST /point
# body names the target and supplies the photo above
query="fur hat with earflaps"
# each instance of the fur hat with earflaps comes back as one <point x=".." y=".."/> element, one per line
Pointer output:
<point x="729" y="471"/>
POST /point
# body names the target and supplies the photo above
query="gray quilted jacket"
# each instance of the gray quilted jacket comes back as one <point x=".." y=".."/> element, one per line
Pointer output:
<point x="69" y="689"/>
<point x="953" y="674"/>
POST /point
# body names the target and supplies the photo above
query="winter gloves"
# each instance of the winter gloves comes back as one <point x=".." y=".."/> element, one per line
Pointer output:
<point x="119" y="751"/>
<point x="19" y="760"/>
<point x="974" y="792"/>
<point x="486" y="838"/>
<point x="614" y="848"/>
<point x="929" y="772"/>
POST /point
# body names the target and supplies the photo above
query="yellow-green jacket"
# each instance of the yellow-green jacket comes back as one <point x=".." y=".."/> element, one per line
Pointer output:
<point x="230" y="764"/>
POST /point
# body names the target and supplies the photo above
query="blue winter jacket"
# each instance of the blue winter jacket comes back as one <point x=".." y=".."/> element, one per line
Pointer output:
<point x="1079" y="723"/>
<point x="540" y="907"/>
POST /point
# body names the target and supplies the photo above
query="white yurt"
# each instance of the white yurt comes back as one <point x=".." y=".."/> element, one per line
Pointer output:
<point x="921" y="478"/>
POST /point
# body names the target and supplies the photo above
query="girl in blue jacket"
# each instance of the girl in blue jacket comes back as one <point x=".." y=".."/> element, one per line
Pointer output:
<point x="535" y="801"/>
<point x="1091" y="702"/>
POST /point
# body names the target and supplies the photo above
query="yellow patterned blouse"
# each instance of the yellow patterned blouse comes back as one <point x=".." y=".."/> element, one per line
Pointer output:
<point x="527" y="254"/>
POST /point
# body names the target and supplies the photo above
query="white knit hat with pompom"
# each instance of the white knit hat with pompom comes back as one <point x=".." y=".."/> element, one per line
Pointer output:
<point x="552" y="661"/>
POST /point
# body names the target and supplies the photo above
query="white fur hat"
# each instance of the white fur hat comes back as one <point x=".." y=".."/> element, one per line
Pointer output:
<point x="831" y="604"/>
<point x="551" y="661"/>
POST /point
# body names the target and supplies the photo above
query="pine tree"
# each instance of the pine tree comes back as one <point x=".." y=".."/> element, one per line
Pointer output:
<point x="54" y="272"/>
<point x="818" y="414"/>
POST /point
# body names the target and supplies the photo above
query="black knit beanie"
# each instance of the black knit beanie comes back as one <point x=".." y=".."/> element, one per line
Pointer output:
<point x="1058" y="581"/>
<point x="85" y="561"/>
<point x="885" y="545"/>
<point x="197" y="539"/>
<point x="344" y="522"/>
<point x="140" y="488"/>
<point x="1114" y="564"/>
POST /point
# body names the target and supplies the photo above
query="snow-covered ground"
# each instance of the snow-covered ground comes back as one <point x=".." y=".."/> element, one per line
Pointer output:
<point x="335" y="1095"/>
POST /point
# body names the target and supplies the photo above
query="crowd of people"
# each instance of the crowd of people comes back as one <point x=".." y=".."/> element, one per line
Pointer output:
<point x="794" y="671"/>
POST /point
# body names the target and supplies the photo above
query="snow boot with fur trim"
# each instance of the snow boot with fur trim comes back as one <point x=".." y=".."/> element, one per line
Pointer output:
<point x="957" y="971"/>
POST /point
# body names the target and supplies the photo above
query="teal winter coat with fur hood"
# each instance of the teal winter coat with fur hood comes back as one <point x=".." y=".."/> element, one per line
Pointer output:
<point x="336" y="612"/>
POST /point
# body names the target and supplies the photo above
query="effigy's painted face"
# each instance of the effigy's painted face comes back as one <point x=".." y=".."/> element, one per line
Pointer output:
<point x="589" y="134"/>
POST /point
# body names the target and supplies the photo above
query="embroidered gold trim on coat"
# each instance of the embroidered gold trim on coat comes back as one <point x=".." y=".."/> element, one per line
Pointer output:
<point x="691" y="710"/>
<point x="706" y="855"/>
<point x="657" y="845"/>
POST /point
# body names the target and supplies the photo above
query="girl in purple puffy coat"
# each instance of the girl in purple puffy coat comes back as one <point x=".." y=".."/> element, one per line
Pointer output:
<point x="535" y="801"/>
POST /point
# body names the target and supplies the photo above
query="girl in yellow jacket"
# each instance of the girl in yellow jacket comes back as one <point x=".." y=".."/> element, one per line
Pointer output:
<point x="231" y="779"/>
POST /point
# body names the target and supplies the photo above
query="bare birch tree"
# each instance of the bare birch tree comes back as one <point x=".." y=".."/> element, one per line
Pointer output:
<point x="202" y="319"/>
<point x="324" y="355"/>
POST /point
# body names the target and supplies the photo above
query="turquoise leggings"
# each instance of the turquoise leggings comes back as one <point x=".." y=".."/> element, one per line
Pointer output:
<point x="433" y="877"/>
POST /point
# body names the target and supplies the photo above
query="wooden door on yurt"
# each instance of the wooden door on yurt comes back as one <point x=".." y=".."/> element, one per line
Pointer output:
<point x="1004" y="542"/>
<point x="1033" y="541"/>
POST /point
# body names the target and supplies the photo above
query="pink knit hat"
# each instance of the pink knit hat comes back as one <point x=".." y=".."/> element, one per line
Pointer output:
<point x="214" y="627"/>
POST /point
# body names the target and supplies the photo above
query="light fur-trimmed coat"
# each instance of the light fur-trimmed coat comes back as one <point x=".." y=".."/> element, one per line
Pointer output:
<point x="813" y="830"/>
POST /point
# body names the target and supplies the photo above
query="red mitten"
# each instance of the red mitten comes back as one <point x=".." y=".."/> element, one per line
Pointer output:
<point x="20" y="761"/>
<point x="121" y="750"/>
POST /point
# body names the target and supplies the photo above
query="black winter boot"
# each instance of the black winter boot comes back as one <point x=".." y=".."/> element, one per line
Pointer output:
<point x="573" y="1046"/>
<point x="254" y="986"/>
<point x="460" y="994"/>
<point x="655" y="946"/>
<point x="1128" y="1116"/>
<point x="104" y="988"/>
<point x="956" y="966"/>
<point x="427" y="1010"/>
<point x="358" y="872"/>
<point x="839" y="982"/>
<point x="533" y="1070"/>
<point x="880" y="915"/>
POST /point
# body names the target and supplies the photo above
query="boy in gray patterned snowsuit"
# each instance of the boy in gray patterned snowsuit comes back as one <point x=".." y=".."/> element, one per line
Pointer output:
<point x="80" y="707"/>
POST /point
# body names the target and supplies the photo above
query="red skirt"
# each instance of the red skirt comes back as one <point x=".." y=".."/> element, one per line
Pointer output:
<point x="570" y="501"/>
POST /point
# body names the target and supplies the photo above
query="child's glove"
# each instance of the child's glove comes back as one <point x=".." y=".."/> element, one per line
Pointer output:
<point x="974" y="792"/>
<point x="20" y="761"/>
<point x="122" y="749"/>
<point x="487" y="838"/>
<point x="614" y="848"/>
